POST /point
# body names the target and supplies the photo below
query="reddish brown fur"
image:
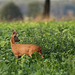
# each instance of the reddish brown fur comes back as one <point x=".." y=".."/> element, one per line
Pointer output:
<point x="21" y="49"/>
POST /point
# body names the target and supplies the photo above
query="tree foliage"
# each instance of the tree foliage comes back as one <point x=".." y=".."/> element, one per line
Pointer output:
<point x="10" y="12"/>
<point x="34" y="9"/>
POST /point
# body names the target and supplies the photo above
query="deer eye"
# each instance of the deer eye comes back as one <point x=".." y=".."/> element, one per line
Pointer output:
<point x="14" y="36"/>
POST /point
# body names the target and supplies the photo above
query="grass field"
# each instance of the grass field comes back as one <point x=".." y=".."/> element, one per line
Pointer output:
<point x="57" y="40"/>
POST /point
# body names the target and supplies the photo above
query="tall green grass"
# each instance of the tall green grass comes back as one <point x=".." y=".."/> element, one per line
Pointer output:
<point x="57" y="40"/>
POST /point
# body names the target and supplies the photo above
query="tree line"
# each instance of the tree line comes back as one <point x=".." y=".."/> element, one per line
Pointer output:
<point x="45" y="8"/>
<point x="11" y="12"/>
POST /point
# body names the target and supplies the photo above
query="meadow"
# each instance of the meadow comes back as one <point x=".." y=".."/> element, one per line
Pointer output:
<point x="57" y="40"/>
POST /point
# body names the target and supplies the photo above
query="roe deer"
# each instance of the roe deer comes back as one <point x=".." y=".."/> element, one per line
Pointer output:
<point x="21" y="49"/>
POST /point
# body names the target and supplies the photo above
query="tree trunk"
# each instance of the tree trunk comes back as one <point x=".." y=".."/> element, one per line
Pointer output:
<point x="47" y="9"/>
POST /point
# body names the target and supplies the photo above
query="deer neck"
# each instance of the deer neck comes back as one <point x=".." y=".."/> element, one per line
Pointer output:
<point x="12" y="40"/>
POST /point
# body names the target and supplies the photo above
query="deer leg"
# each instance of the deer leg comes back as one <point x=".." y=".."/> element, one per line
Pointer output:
<point x="30" y="56"/>
<point x="30" y="53"/>
<point x="18" y="56"/>
<point x="41" y="54"/>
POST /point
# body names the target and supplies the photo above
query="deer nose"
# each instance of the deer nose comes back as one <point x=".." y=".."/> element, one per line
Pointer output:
<point x="18" y="39"/>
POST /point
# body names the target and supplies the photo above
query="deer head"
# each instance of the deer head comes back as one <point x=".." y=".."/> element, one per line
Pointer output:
<point x="14" y="35"/>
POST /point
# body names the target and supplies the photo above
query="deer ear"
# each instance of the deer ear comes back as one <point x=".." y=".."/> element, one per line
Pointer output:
<point x="16" y="33"/>
<point x="13" y="31"/>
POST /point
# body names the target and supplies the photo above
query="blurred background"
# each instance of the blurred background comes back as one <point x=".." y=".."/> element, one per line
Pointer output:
<point x="29" y="10"/>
